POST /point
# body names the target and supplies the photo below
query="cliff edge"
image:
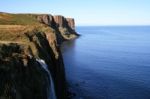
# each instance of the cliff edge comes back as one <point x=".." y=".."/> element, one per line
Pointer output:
<point x="24" y="40"/>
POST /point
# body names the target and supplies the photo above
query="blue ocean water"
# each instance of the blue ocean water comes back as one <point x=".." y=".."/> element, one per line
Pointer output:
<point x="111" y="62"/>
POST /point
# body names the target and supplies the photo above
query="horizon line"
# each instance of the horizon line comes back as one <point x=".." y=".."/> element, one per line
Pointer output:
<point x="115" y="25"/>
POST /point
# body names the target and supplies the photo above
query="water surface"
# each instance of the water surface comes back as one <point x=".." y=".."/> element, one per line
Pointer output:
<point x="109" y="63"/>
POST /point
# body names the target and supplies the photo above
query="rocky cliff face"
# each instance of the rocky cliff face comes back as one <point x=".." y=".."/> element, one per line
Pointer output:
<point x="65" y="27"/>
<point x="60" y="21"/>
<point x="24" y="38"/>
<point x="21" y="77"/>
<point x="71" y="23"/>
<point x="46" y="19"/>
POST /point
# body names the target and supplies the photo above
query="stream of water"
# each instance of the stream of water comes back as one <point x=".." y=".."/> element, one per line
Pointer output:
<point x="51" y="90"/>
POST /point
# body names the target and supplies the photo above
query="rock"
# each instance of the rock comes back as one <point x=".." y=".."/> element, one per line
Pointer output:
<point x="60" y="21"/>
<point x="46" y="19"/>
<point x="71" y="23"/>
<point x="65" y="27"/>
<point x="19" y="80"/>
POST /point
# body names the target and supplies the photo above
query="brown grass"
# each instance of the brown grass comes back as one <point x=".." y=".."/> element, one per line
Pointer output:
<point x="12" y="28"/>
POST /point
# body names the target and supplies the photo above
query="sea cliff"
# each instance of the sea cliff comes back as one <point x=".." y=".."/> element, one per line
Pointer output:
<point x="24" y="39"/>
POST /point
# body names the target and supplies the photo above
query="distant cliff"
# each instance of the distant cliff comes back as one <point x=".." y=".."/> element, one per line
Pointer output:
<point x="65" y="27"/>
<point x="24" y="39"/>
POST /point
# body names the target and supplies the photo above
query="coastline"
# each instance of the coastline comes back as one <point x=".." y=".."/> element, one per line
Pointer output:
<point x="39" y="38"/>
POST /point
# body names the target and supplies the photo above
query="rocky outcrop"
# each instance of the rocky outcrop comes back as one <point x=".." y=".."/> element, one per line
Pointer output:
<point x="60" y="21"/>
<point x="21" y="77"/>
<point x="57" y="21"/>
<point x="64" y="22"/>
<point x="46" y="19"/>
<point x="71" y="23"/>
<point x="65" y="27"/>
<point x="21" y="44"/>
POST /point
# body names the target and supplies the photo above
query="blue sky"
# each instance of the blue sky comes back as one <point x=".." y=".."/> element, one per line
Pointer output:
<point x="86" y="12"/>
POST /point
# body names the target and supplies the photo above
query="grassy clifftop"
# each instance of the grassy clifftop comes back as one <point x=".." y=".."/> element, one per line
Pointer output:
<point x="20" y="28"/>
<point x="17" y="19"/>
<point x="12" y="26"/>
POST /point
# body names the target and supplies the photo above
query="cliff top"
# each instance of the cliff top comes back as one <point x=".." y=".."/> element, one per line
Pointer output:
<point x="17" y="19"/>
<point x="14" y="26"/>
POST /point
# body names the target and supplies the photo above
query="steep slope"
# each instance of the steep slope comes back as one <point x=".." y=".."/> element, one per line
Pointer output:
<point x="24" y="38"/>
<point x="65" y="27"/>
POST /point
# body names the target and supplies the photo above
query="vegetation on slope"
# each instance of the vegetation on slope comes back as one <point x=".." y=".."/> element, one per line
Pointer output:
<point x="19" y="28"/>
<point x="17" y="19"/>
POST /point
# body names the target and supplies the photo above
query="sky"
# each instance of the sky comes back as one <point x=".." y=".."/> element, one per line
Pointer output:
<point x="86" y="12"/>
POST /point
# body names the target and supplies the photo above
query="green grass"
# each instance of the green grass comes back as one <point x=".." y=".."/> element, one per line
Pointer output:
<point x="17" y="19"/>
<point x="24" y="29"/>
<point x="13" y="26"/>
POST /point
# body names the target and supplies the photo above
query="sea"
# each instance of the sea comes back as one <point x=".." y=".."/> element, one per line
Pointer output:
<point x="108" y="62"/>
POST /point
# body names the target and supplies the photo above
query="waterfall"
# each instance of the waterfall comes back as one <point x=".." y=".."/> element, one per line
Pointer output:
<point x="52" y="94"/>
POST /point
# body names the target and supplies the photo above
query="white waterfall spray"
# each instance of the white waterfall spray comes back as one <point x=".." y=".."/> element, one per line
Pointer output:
<point x="52" y="94"/>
